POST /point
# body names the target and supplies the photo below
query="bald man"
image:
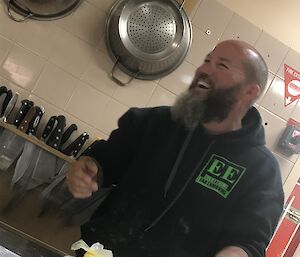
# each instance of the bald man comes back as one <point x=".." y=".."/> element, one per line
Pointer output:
<point x="191" y="180"/>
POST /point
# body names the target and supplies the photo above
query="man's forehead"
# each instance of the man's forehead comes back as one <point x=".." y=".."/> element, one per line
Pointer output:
<point x="227" y="52"/>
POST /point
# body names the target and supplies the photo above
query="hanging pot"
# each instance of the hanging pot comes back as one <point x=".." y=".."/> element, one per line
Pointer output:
<point x="41" y="9"/>
<point x="147" y="39"/>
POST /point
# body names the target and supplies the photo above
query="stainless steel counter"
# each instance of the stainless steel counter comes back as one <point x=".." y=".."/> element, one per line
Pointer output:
<point x="14" y="243"/>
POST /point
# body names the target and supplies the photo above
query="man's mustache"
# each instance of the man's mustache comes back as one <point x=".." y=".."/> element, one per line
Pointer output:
<point x="204" y="77"/>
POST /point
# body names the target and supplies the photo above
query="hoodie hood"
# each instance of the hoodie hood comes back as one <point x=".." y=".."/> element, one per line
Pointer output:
<point x="251" y="134"/>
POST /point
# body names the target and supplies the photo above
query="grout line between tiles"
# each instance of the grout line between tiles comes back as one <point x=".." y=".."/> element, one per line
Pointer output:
<point x="85" y="123"/>
<point x="227" y="25"/>
<point x="284" y="59"/>
<point x="147" y="104"/>
<point x="277" y="116"/>
<point x="5" y="56"/>
<point x="211" y="36"/>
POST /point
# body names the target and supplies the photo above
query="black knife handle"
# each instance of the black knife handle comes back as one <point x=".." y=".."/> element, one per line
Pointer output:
<point x="6" y="101"/>
<point x="74" y="148"/>
<point x="56" y="135"/>
<point x="25" y="106"/>
<point x="33" y="125"/>
<point x="2" y="98"/>
<point x="48" y="128"/>
<point x="68" y="132"/>
<point x="3" y="89"/>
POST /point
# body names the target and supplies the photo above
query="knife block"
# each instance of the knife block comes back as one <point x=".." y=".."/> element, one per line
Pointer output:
<point x="36" y="141"/>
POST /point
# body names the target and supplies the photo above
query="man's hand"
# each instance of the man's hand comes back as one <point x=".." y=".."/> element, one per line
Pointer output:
<point x="232" y="251"/>
<point x="82" y="176"/>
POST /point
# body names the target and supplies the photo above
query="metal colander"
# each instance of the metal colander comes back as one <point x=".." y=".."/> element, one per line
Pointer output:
<point x="147" y="39"/>
<point x="151" y="28"/>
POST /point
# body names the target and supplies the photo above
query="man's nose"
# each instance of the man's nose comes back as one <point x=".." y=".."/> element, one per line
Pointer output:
<point x="204" y="69"/>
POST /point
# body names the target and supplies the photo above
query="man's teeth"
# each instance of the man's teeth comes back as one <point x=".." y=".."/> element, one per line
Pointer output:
<point x="203" y="84"/>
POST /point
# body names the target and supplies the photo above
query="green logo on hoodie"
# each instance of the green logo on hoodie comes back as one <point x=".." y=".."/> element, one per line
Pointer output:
<point x="220" y="175"/>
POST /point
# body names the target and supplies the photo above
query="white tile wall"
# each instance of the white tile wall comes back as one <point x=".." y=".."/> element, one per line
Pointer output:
<point x="88" y="105"/>
<point x="137" y="93"/>
<point x="8" y="29"/>
<point x="285" y="166"/>
<point x="39" y="37"/>
<point x="179" y="80"/>
<point x="202" y="44"/>
<point x="22" y="67"/>
<point x="49" y="86"/>
<point x="104" y="5"/>
<point x="161" y="96"/>
<point x="292" y="59"/>
<point x="71" y="53"/>
<point x="87" y="23"/>
<point x="272" y="50"/>
<point x="97" y="73"/>
<point x="240" y="28"/>
<point x="5" y="46"/>
<point x="215" y="23"/>
<point x="296" y="112"/>
<point x="64" y="66"/>
<point x="274" y="127"/>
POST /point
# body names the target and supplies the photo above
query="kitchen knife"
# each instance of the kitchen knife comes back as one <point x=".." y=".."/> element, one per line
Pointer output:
<point x="11" y="144"/>
<point x="3" y="94"/>
<point x="44" y="169"/>
<point x="2" y="98"/>
<point x="27" y="161"/>
<point x="3" y="89"/>
<point x="8" y="135"/>
<point x="6" y="101"/>
<point x="56" y="135"/>
<point x="72" y="150"/>
<point x="30" y="150"/>
<point x="10" y="106"/>
<point x="67" y="133"/>
<point x="76" y="145"/>
<point x="48" y="128"/>
<point x="25" y="106"/>
<point x="33" y="124"/>
<point x="22" y="176"/>
<point x="28" y="117"/>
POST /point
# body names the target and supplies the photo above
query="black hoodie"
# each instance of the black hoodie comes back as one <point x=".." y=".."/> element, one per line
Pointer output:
<point x="184" y="194"/>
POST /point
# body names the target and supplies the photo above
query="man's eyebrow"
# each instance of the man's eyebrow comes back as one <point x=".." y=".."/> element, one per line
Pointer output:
<point x="224" y="60"/>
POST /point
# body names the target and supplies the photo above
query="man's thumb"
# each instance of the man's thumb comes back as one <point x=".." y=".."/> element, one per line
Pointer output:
<point x="91" y="167"/>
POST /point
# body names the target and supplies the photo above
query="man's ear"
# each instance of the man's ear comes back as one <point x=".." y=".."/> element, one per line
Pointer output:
<point x="252" y="91"/>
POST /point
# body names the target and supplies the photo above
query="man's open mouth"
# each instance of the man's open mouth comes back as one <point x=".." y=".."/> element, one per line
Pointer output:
<point x="202" y="84"/>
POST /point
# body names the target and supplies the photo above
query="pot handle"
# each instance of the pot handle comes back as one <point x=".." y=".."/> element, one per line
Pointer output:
<point x="30" y="14"/>
<point x="115" y="79"/>
<point x="182" y="4"/>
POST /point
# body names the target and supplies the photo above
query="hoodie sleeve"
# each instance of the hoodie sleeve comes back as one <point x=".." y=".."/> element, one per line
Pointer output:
<point x="114" y="155"/>
<point x="254" y="218"/>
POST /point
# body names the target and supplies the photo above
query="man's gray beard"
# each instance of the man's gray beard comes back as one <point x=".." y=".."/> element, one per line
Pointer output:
<point x="189" y="109"/>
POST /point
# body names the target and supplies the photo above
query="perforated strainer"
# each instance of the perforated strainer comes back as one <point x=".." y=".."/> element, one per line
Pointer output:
<point x="147" y="39"/>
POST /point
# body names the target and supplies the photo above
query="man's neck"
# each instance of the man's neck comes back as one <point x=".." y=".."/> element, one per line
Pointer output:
<point x="231" y="123"/>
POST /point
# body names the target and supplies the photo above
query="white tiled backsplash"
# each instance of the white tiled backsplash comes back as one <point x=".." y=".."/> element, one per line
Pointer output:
<point x="63" y="65"/>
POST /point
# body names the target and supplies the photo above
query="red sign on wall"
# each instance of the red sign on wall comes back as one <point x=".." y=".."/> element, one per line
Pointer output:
<point x="292" y="85"/>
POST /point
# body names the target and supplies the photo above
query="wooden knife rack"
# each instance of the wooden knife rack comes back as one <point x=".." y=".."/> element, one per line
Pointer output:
<point x="36" y="141"/>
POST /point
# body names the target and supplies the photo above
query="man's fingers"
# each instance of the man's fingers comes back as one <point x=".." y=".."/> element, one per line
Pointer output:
<point x="81" y="178"/>
<point x="91" y="168"/>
